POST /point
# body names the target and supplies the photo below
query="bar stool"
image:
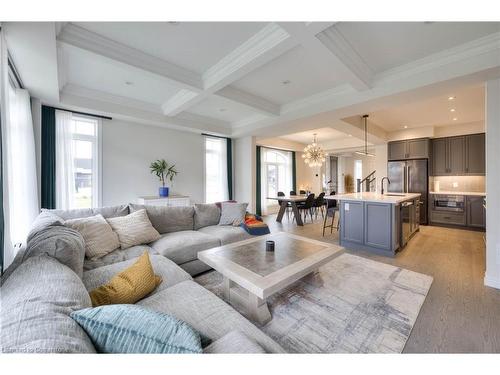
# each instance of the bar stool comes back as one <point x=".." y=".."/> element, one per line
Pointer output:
<point x="331" y="208"/>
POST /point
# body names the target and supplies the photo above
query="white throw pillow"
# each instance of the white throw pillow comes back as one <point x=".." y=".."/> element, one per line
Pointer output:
<point x="134" y="229"/>
<point x="97" y="233"/>
<point x="232" y="213"/>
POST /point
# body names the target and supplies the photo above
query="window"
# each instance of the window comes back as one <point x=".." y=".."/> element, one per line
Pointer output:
<point x="86" y="161"/>
<point x="276" y="175"/>
<point x="77" y="161"/>
<point x="216" y="181"/>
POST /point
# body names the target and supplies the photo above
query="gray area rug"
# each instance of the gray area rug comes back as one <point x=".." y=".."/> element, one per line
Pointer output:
<point x="352" y="305"/>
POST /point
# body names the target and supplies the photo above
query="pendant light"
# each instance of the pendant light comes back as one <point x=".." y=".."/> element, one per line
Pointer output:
<point x="365" y="152"/>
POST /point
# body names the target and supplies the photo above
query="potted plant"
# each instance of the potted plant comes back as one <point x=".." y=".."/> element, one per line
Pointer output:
<point x="163" y="171"/>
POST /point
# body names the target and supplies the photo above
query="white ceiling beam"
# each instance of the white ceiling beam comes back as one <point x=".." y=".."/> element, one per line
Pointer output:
<point x="255" y="102"/>
<point x="259" y="49"/>
<point x="360" y="74"/>
<point x="264" y="46"/>
<point x="79" y="37"/>
<point x="80" y="98"/>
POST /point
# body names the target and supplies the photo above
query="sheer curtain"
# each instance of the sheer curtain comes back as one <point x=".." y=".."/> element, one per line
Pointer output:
<point x="65" y="169"/>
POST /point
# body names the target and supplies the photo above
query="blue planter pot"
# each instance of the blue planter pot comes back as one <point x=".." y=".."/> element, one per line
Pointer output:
<point x="163" y="191"/>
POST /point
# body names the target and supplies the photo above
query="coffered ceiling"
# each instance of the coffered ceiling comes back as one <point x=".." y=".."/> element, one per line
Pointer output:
<point x="251" y="78"/>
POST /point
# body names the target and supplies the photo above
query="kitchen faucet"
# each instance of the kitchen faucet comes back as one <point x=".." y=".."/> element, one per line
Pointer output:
<point x="382" y="184"/>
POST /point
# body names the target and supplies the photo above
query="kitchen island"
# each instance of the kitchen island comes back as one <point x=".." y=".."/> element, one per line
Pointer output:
<point x="381" y="223"/>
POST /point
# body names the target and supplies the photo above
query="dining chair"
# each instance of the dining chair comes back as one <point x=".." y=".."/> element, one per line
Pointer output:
<point x="319" y="204"/>
<point x="307" y="207"/>
<point x="302" y="192"/>
<point x="293" y="192"/>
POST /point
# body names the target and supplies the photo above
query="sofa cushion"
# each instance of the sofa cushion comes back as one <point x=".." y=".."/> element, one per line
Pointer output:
<point x="37" y="300"/>
<point x="117" y="256"/>
<point x="226" y="233"/>
<point x="170" y="272"/>
<point x="135" y="329"/>
<point x="97" y="233"/>
<point x="128" y="286"/>
<point x="183" y="246"/>
<point x="205" y="215"/>
<point x="44" y="220"/>
<point x="106" y="212"/>
<point x="168" y="219"/>
<point x="206" y="313"/>
<point x="62" y="243"/>
<point x="134" y="229"/>
<point x="232" y="213"/>
<point x="235" y="342"/>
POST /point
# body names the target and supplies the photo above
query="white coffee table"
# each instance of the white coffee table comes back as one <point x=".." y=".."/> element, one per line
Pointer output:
<point x="252" y="274"/>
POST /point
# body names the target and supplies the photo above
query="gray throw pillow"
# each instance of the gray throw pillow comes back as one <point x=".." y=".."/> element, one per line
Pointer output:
<point x="37" y="300"/>
<point x="62" y="243"/>
<point x="167" y="219"/>
<point x="232" y="213"/>
<point x="206" y="215"/>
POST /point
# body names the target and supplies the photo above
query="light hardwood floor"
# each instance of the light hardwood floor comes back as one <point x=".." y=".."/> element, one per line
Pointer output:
<point x="460" y="314"/>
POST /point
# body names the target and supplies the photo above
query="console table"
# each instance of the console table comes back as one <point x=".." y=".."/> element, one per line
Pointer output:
<point x="171" y="201"/>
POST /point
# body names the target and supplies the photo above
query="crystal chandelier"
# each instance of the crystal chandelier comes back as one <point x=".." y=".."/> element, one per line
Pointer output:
<point x="314" y="155"/>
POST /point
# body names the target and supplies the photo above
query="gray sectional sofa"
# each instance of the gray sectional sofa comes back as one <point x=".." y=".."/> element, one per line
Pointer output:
<point x="50" y="278"/>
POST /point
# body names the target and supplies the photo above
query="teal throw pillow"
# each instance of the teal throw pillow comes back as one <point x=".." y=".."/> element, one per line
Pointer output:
<point x="136" y="329"/>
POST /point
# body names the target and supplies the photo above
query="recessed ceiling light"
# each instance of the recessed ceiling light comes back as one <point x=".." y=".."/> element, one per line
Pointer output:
<point x="452" y="110"/>
<point x="451" y="97"/>
<point x="286" y="82"/>
<point x="350" y="135"/>
<point x="406" y="126"/>
<point x="455" y="119"/>
<point x="129" y="83"/>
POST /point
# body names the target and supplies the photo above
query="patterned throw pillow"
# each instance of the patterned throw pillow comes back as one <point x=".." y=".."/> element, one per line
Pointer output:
<point x="134" y="229"/>
<point x="232" y="213"/>
<point x="129" y="286"/>
<point x="97" y="233"/>
<point x="136" y="329"/>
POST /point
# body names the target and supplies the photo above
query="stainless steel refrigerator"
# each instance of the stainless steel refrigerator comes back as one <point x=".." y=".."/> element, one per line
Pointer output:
<point x="410" y="176"/>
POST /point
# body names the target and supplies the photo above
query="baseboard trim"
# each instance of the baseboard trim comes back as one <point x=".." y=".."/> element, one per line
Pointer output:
<point x="491" y="282"/>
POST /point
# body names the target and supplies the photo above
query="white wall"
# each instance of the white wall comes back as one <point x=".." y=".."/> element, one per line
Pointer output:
<point x="129" y="148"/>
<point x="492" y="275"/>
<point x="380" y="164"/>
<point x="244" y="171"/>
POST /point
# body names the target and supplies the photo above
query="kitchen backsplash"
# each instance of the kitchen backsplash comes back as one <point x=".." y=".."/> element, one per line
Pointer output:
<point x="474" y="184"/>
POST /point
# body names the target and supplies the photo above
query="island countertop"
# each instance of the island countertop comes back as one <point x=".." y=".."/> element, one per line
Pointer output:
<point x="393" y="198"/>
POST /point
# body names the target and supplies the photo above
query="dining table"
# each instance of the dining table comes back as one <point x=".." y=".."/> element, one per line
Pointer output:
<point x="293" y="200"/>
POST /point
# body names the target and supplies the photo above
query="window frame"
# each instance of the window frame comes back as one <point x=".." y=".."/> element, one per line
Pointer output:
<point x="96" y="153"/>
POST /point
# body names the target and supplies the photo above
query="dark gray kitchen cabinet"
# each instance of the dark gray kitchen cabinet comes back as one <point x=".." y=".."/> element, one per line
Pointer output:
<point x="377" y="218"/>
<point x="409" y="149"/>
<point x="475" y="156"/>
<point x="476" y="215"/>
<point x="397" y="150"/>
<point x="456" y="155"/>
<point x="459" y="156"/>
<point x="439" y="157"/>
<point x="352" y="227"/>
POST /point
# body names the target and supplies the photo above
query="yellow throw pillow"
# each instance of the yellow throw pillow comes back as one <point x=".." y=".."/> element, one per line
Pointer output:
<point x="129" y="286"/>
